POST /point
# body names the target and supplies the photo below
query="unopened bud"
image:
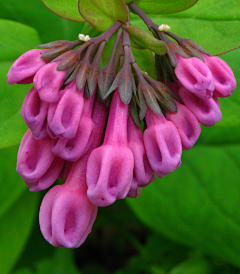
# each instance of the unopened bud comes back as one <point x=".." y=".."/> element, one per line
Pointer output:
<point x="164" y="28"/>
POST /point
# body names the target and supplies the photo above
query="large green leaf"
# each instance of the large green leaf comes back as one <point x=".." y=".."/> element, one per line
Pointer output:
<point x="15" y="226"/>
<point x="65" y="8"/>
<point x="49" y="26"/>
<point x="198" y="204"/>
<point x="163" y="6"/>
<point x="12" y="126"/>
<point x="213" y="24"/>
<point x="101" y="14"/>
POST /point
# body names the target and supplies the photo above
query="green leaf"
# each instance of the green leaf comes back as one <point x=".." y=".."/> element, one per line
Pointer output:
<point x="101" y="14"/>
<point x="67" y="9"/>
<point x="144" y="40"/>
<point x="11" y="97"/>
<point x="163" y="6"/>
<point x="213" y="24"/>
<point x="198" y="204"/>
<point x="49" y="26"/>
<point x="15" y="226"/>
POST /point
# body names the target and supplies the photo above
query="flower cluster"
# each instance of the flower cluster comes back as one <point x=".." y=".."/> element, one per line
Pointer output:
<point x="85" y="122"/>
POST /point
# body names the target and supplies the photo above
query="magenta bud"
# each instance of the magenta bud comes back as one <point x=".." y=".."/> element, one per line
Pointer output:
<point x="25" y="67"/>
<point x="66" y="216"/>
<point x="207" y="110"/>
<point x="64" y="116"/>
<point x="48" y="81"/>
<point x="142" y="169"/>
<point x="34" y="112"/>
<point x="110" y="166"/>
<point x="73" y="149"/>
<point x="34" y="157"/>
<point x="195" y="76"/>
<point x="187" y="125"/>
<point x="224" y="80"/>
<point x="162" y="143"/>
<point x="49" y="177"/>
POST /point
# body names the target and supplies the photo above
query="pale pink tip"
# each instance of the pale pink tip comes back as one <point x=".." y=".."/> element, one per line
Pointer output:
<point x="66" y="216"/>
<point x="25" y="67"/>
<point x="195" y="76"/>
<point x="187" y="125"/>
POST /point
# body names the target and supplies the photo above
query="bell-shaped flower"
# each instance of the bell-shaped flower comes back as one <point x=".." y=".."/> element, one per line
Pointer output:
<point x="207" y="110"/>
<point x="224" y="80"/>
<point x="64" y="115"/>
<point x="48" y="81"/>
<point x="66" y="214"/>
<point x="34" y="112"/>
<point x="162" y="143"/>
<point x="187" y="125"/>
<point x="25" y="67"/>
<point x="143" y="172"/>
<point x="195" y="76"/>
<point x="110" y="166"/>
<point x="36" y="163"/>
<point x="73" y="149"/>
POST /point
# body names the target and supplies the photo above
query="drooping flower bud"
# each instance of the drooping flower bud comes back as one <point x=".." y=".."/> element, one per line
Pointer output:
<point x="34" y="112"/>
<point x="64" y="115"/>
<point x="162" y="143"/>
<point x="187" y="125"/>
<point x="206" y="110"/>
<point x="25" y="67"/>
<point x="223" y="77"/>
<point x="143" y="172"/>
<point x="66" y="214"/>
<point x="110" y="166"/>
<point x="48" y="81"/>
<point x="73" y="149"/>
<point x="195" y="76"/>
<point x="36" y="163"/>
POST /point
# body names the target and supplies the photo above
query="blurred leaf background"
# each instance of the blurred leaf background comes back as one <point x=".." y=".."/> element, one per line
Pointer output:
<point x="188" y="222"/>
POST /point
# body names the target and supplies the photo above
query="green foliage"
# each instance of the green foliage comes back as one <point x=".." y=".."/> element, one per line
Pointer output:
<point x="165" y="7"/>
<point x="18" y="210"/>
<point x="101" y="14"/>
<point x="67" y="9"/>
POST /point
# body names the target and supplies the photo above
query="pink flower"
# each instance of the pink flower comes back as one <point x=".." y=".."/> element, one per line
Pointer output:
<point x="73" y="149"/>
<point x="110" y="166"/>
<point x="48" y="81"/>
<point x="187" y="125"/>
<point x="25" y="67"/>
<point x="36" y="163"/>
<point x="224" y="80"/>
<point x="64" y="115"/>
<point x="143" y="172"/>
<point x="162" y="143"/>
<point x="34" y="112"/>
<point x="207" y="110"/>
<point x="66" y="214"/>
<point x="195" y="76"/>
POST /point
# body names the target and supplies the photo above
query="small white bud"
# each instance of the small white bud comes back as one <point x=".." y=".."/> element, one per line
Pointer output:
<point x="164" y="28"/>
<point x="87" y="38"/>
<point x="81" y="37"/>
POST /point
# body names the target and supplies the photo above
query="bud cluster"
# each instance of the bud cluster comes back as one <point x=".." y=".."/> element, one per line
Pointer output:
<point x="84" y="121"/>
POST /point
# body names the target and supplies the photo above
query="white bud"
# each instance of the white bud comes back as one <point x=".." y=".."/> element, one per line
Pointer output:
<point x="87" y="38"/>
<point x="81" y="37"/>
<point x="164" y="28"/>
